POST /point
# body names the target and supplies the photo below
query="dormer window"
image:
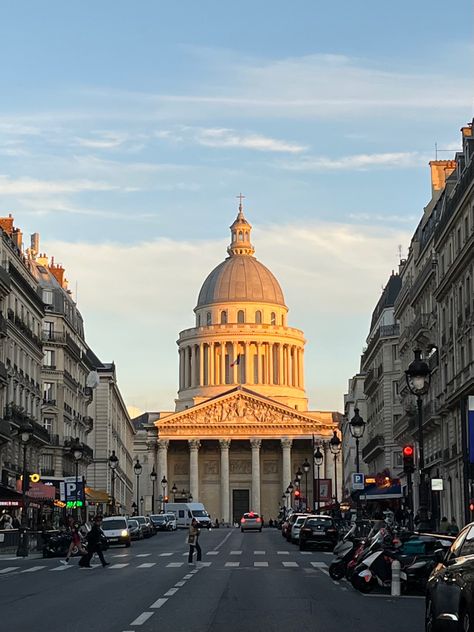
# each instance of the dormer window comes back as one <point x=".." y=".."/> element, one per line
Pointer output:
<point x="48" y="297"/>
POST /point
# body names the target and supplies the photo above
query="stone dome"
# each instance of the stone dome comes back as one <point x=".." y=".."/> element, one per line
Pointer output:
<point x="240" y="278"/>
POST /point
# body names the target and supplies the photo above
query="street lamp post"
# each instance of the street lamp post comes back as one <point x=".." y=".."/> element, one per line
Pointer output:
<point x="335" y="447"/>
<point x="153" y="477"/>
<point x="418" y="377"/>
<point x="141" y="505"/>
<point x="306" y="467"/>
<point x="134" y="509"/>
<point x="190" y="497"/>
<point x="26" y="433"/>
<point x="290" y="489"/>
<point x="174" y="489"/>
<point x="287" y="498"/>
<point x="318" y="461"/>
<point x="357" y="428"/>
<point x="113" y="463"/>
<point x="164" y="483"/>
<point x="137" y="468"/>
<point x="76" y="451"/>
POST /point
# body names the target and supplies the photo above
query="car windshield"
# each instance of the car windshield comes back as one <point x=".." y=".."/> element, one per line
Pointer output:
<point x="133" y="524"/>
<point x="114" y="524"/>
<point x="170" y="516"/>
<point x="299" y="521"/>
<point x="319" y="522"/>
<point x="199" y="513"/>
<point x="141" y="520"/>
<point x="251" y="516"/>
<point x="159" y="518"/>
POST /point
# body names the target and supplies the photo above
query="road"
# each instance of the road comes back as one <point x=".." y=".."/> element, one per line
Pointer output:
<point x="247" y="580"/>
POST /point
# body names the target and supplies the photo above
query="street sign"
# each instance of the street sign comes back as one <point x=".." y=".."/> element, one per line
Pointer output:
<point x="68" y="492"/>
<point x="358" y="482"/>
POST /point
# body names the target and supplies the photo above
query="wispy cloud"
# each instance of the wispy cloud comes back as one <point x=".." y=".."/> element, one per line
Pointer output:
<point x="358" y="162"/>
<point x="26" y="186"/>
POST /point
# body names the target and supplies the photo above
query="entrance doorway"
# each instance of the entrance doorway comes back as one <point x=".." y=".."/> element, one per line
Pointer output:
<point x="240" y="503"/>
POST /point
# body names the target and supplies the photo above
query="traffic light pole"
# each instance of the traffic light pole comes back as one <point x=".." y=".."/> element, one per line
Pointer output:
<point x="410" y="500"/>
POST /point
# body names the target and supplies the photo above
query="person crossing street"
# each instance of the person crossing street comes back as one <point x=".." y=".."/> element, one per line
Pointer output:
<point x="95" y="542"/>
<point x="193" y="541"/>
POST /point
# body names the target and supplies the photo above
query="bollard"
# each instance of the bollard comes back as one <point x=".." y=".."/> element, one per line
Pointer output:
<point x="395" y="578"/>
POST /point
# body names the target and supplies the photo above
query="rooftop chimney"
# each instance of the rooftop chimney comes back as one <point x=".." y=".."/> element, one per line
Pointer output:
<point x="35" y="241"/>
<point x="6" y="224"/>
<point x="58" y="272"/>
<point x="17" y="238"/>
<point x="440" y="171"/>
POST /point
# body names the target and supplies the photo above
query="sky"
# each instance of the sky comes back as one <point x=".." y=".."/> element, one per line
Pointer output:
<point x="127" y="130"/>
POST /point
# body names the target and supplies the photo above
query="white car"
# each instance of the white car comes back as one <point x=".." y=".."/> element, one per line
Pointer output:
<point x="295" y="529"/>
<point x="116" y="530"/>
<point x="172" y="521"/>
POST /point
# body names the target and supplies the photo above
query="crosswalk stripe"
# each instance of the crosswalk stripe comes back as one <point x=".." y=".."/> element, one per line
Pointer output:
<point x="259" y="552"/>
<point x="236" y="552"/>
<point x="174" y="565"/>
<point x="8" y="569"/>
<point x="143" y="555"/>
<point x="290" y="564"/>
<point x="159" y="602"/>
<point x="260" y="563"/>
<point x="171" y="592"/>
<point x="146" y="565"/>
<point x="233" y="564"/>
<point x="165" y="554"/>
<point x="204" y="563"/>
<point x="212" y="553"/>
<point x="319" y="564"/>
<point x="305" y="553"/>
<point x="61" y="568"/>
<point x="121" y="555"/>
<point x="119" y="565"/>
<point x="283" y="552"/>
<point x="140" y="620"/>
<point x="179" y="584"/>
<point x="33" y="569"/>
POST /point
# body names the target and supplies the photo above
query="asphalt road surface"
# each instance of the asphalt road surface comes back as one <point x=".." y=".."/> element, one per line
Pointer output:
<point x="247" y="581"/>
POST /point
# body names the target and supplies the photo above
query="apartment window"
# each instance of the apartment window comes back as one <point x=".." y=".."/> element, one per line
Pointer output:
<point x="466" y="229"/>
<point x="395" y="390"/>
<point x="49" y="358"/>
<point x="48" y="391"/>
<point x="48" y="329"/>
<point x="394" y="353"/>
<point x="48" y="297"/>
<point x="459" y="242"/>
<point x="46" y="459"/>
<point x="48" y="425"/>
<point x="397" y="460"/>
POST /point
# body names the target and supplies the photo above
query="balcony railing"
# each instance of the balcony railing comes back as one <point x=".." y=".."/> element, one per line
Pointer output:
<point x="384" y="331"/>
<point x="52" y="336"/>
<point x="87" y="451"/>
<point x="3" y="326"/>
<point x="374" y="446"/>
<point x="421" y="278"/>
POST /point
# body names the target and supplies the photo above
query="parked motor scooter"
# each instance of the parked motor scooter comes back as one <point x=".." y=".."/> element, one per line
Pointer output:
<point x="344" y="551"/>
<point x="57" y="545"/>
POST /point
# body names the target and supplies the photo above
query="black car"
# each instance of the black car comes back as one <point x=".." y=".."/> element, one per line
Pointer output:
<point x="450" y="589"/>
<point x="160" y="522"/>
<point x="318" y="531"/>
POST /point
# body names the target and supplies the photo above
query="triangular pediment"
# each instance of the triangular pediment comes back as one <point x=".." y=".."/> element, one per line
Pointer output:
<point x="242" y="413"/>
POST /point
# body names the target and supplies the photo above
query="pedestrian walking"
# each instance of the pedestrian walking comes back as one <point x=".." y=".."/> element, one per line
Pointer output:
<point x="95" y="543"/>
<point x="453" y="528"/>
<point x="75" y="545"/>
<point x="444" y="525"/>
<point x="193" y="541"/>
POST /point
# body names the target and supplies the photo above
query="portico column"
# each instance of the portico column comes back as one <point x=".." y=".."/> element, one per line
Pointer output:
<point x="201" y="364"/>
<point x="248" y="366"/>
<point x="194" y="445"/>
<point x="281" y="371"/>
<point x="211" y="376"/>
<point x="186" y="367"/>
<point x="270" y="363"/>
<point x="286" y="470"/>
<point x="255" y="444"/>
<point x="163" y="445"/>
<point x="223" y="345"/>
<point x="259" y="364"/>
<point x="225" y="491"/>
<point x="193" y="366"/>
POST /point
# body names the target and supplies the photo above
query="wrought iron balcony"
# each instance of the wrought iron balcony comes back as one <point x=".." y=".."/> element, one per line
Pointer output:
<point x="374" y="447"/>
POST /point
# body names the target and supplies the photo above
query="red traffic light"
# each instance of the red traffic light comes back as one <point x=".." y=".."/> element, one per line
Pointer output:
<point x="297" y="493"/>
<point x="408" y="450"/>
<point x="471" y="505"/>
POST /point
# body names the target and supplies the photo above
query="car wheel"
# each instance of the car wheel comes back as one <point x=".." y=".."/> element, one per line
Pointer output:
<point x="361" y="585"/>
<point x="464" y="621"/>
<point x="336" y="571"/>
<point x="430" y="622"/>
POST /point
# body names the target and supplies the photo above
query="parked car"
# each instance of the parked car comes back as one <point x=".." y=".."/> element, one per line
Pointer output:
<point x="295" y="529"/>
<point x="134" y="530"/>
<point x="116" y="530"/>
<point x="172" y="520"/>
<point x="318" y="531"/>
<point x="251" y="522"/>
<point x="144" y="525"/>
<point x="450" y="590"/>
<point x="151" y="526"/>
<point x="160" y="522"/>
<point x="288" y="524"/>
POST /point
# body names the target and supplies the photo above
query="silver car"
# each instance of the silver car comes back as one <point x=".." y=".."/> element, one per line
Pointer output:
<point x="296" y="527"/>
<point x="251" y="522"/>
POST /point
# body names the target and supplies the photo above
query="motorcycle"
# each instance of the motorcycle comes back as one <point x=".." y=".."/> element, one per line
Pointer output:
<point x="344" y="551"/>
<point x="57" y="545"/>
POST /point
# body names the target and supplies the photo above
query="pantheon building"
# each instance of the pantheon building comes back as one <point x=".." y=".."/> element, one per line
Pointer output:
<point x="241" y="426"/>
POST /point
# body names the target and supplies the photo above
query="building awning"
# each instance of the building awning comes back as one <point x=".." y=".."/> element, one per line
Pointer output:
<point x="97" y="495"/>
<point x="9" y="497"/>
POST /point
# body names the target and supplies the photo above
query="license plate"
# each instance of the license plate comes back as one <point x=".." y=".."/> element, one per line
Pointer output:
<point x="113" y="539"/>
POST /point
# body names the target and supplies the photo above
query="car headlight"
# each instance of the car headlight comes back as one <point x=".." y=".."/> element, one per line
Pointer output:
<point x="124" y="533"/>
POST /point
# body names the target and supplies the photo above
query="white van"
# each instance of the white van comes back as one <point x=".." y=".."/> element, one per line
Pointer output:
<point x="185" y="512"/>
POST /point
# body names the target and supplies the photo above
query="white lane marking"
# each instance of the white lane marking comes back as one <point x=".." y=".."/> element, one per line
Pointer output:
<point x="165" y="554"/>
<point x="171" y="592"/>
<point x="179" y="584"/>
<point x="343" y="588"/>
<point x="33" y="569"/>
<point x="290" y="564"/>
<point x="319" y="564"/>
<point x="60" y="568"/>
<point x="140" y="620"/>
<point x="184" y="554"/>
<point x="121" y="555"/>
<point x="224" y="540"/>
<point x="159" y="602"/>
<point x="232" y="564"/>
<point x="259" y="552"/>
<point x="194" y="571"/>
<point x="146" y="565"/>
<point x="236" y="552"/>
<point x="323" y="570"/>
<point x="188" y="576"/>
<point x="212" y="553"/>
<point x="305" y="553"/>
<point x="260" y="563"/>
<point x="200" y="564"/>
<point x="283" y="552"/>
<point x="174" y="565"/>
<point x="327" y="553"/>
<point x="119" y="565"/>
<point x="9" y="568"/>
<point x="143" y="555"/>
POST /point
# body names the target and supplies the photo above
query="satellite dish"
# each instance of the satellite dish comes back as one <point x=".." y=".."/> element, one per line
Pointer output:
<point x="93" y="379"/>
